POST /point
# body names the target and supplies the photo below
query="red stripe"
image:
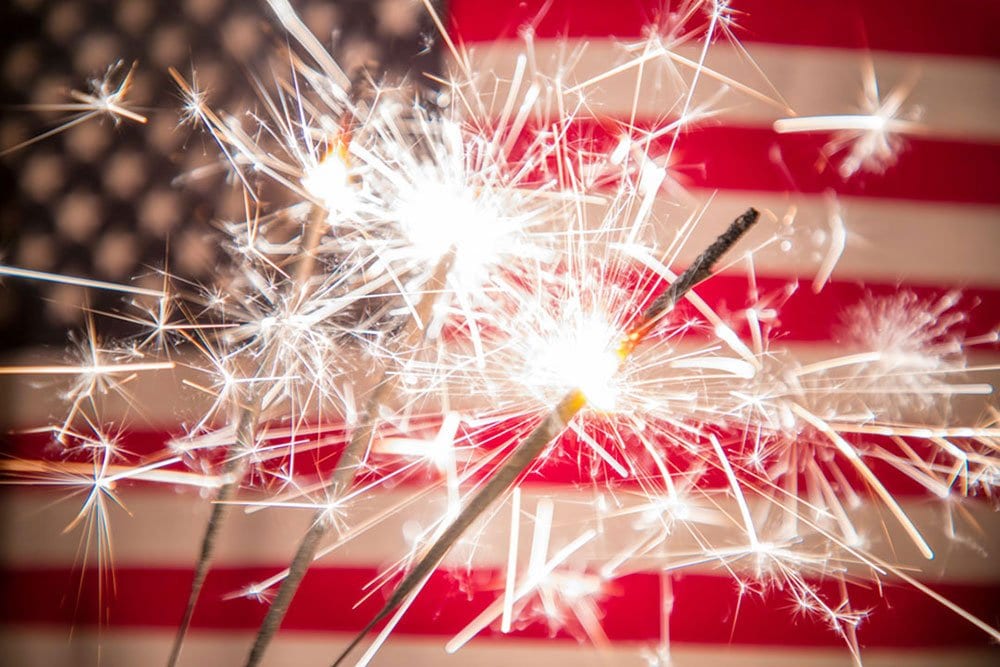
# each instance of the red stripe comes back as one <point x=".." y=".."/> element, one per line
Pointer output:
<point x="706" y="610"/>
<point x="819" y="318"/>
<point x="571" y="464"/>
<point x="961" y="28"/>
<point x="804" y="316"/>
<point x="757" y="158"/>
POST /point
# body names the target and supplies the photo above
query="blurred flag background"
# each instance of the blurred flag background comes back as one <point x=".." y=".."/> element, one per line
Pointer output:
<point x="112" y="202"/>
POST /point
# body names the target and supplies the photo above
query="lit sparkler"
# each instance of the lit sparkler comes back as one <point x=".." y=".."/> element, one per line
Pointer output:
<point x="553" y="424"/>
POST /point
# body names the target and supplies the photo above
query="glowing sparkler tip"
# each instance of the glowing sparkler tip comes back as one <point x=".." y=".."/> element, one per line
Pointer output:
<point x="329" y="182"/>
<point x="580" y="355"/>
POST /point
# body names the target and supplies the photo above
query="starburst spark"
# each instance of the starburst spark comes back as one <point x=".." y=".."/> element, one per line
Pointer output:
<point x="872" y="139"/>
<point x="107" y="97"/>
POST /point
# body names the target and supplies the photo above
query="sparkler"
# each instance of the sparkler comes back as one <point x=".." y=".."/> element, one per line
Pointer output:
<point x="449" y="243"/>
<point x="553" y="425"/>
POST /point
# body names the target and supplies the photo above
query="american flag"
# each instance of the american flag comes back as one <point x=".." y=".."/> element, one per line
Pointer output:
<point x="99" y="201"/>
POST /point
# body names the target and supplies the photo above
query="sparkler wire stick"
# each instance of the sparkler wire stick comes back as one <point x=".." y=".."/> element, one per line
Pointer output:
<point x="552" y="425"/>
<point x="348" y="465"/>
<point x="236" y="467"/>
<point x="233" y="473"/>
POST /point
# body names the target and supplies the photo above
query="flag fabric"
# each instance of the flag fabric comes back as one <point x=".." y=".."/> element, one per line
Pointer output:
<point x="922" y="219"/>
<point x="121" y="201"/>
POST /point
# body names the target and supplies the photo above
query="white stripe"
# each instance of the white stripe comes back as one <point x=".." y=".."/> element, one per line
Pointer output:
<point x="159" y="401"/>
<point x="887" y="240"/>
<point x="166" y="528"/>
<point x="959" y="97"/>
<point x="30" y="647"/>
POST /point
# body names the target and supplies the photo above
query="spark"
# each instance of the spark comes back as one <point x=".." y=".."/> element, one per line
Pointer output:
<point x="871" y="139"/>
<point x="104" y="99"/>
